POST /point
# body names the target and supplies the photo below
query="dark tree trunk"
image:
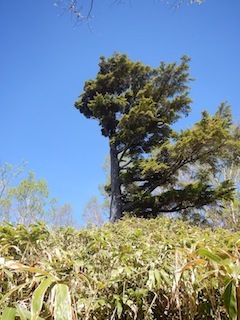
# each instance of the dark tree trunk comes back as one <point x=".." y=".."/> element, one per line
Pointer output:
<point x="116" y="201"/>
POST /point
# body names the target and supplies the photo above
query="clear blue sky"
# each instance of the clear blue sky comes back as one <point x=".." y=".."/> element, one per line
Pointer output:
<point x="44" y="63"/>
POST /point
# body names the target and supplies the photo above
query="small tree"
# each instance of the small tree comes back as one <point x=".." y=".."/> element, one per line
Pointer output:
<point x="8" y="176"/>
<point x="27" y="200"/>
<point x="136" y="107"/>
<point x="93" y="213"/>
<point x="60" y="216"/>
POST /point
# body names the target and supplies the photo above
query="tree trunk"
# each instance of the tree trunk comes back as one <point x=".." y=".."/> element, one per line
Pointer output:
<point x="116" y="201"/>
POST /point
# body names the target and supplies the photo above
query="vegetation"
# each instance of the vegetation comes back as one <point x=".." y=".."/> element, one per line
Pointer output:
<point x="93" y="213"/>
<point x="26" y="200"/>
<point x="136" y="268"/>
<point x="136" y="107"/>
<point x="133" y="269"/>
<point x="225" y="213"/>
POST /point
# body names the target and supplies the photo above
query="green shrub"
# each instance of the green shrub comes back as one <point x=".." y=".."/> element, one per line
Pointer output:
<point x="133" y="269"/>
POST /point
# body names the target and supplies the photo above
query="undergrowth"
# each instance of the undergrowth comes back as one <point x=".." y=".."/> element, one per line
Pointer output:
<point x="133" y="269"/>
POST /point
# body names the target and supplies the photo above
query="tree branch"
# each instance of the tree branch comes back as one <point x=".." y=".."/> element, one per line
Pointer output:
<point x="126" y="164"/>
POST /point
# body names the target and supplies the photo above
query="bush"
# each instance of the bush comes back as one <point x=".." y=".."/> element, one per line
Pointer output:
<point x="133" y="269"/>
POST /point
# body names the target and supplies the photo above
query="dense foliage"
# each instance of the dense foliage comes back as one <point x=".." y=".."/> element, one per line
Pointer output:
<point x="133" y="269"/>
<point x="137" y="107"/>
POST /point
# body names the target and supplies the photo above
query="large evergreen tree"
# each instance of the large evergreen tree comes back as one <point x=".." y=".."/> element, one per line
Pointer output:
<point x="136" y="107"/>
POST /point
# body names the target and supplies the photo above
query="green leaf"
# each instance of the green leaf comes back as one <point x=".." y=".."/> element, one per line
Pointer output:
<point x="151" y="280"/>
<point x="62" y="305"/>
<point x="24" y="314"/>
<point x="165" y="276"/>
<point x="8" y="314"/>
<point x="119" y="307"/>
<point x="20" y="313"/>
<point x="38" y="296"/>
<point x="230" y="300"/>
<point x="208" y="254"/>
<point x="157" y="277"/>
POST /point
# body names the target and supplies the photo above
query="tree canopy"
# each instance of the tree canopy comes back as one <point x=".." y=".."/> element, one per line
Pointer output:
<point x="27" y="200"/>
<point x="136" y="107"/>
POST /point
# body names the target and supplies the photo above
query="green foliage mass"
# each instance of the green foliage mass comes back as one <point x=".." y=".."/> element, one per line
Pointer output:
<point x="137" y="107"/>
<point x="133" y="269"/>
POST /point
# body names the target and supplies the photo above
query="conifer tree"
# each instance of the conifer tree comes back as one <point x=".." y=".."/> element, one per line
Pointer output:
<point x="136" y="107"/>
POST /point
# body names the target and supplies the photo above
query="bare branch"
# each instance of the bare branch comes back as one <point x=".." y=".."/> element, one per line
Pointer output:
<point x="126" y="164"/>
<point x="76" y="7"/>
<point x="9" y="173"/>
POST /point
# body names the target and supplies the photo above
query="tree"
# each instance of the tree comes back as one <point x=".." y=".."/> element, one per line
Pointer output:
<point x="136" y="107"/>
<point x="93" y="213"/>
<point x="226" y="213"/>
<point x="28" y="201"/>
<point x="59" y="216"/>
<point x="8" y="175"/>
<point x="96" y="213"/>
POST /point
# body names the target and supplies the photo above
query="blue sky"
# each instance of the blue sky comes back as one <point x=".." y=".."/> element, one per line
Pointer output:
<point x="44" y="62"/>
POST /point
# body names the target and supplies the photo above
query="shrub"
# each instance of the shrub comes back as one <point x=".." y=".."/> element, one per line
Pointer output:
<point x="133" y="269"/>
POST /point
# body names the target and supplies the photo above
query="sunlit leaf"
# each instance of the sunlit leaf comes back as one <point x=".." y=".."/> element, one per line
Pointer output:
<point x="208" y="254"/>
<point x="62" y="304"/>
<point x="192" y="263"/>
<point x="25" y="314"/>
<point x="119" y="308"/>
<point x="38" y="295"/>
<point x="8" y="314"/>
<point x="230" y="300"/>
<point x="21" y="314"/>
<point x="15" y="265"/>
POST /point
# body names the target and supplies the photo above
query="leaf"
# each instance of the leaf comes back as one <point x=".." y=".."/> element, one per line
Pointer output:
<point x="38" y="296"/>
<point x="238" y="301"/>
<point x="133" y="307"/>
<point x="165" y="276"/>
<point x="157" y="277"/>
<point x="20" y="313"/>
<point x="230" y="300"/>
<point x="8" y="314"/>
<point x="24" y="314"/>
<point x="119" y="308"/>
<point x="62" y="303"/>
<point x="191" y="263"/>
<point x="208" y="254"/>
<point x="151" y="280"/>
<point x="19" y="266"/>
